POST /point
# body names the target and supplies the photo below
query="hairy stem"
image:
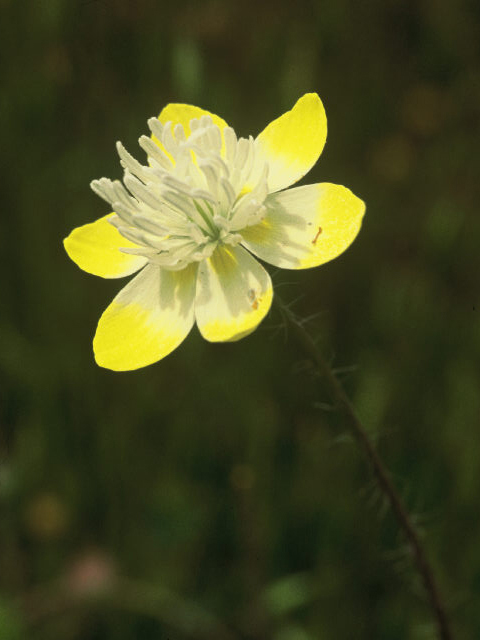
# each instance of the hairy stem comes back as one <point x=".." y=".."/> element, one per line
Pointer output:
<point x="379" y="469"/>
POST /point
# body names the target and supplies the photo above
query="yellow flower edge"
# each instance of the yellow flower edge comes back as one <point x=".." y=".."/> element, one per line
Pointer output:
<point x="292" y="143"/>
<point x="95" y="248"/>
<point x="234" y="294"/>
<point x="306" y="226"/>
<point x="147" y="320"/>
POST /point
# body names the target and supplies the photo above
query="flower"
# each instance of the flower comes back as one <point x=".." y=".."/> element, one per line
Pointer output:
<point x="192" y="220"/>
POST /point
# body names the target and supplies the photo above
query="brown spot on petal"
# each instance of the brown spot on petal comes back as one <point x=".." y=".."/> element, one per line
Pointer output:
<point x="252" y="296"/>
<point x="314" y="241"/>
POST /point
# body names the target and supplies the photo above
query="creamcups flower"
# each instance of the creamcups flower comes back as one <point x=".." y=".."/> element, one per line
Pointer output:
<point x="191" y="221"/>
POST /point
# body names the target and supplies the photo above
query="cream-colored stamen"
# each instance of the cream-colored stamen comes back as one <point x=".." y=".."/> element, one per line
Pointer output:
<point x="191" y="196"/>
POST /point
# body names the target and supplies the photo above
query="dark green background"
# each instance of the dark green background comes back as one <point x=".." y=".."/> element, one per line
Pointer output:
<point x="212" y="479"/>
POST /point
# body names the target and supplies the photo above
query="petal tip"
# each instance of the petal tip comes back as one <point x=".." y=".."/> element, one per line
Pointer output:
<point x="292" y="143"/>
<point x="234" y="294"/>
<point x="96" y="248"/>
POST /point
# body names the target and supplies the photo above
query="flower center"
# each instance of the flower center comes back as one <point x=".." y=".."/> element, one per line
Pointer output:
<point x="191" y="196"/>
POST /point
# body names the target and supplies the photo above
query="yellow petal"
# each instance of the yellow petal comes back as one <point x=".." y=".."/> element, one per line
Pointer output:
<point x="234" y="294"/>
<point x="147" y="320"/>
<point x="95" y="248"/>
<point x="178" y="113"/>
<point x="292" y="143"/>
<point x="183" y="113"/>
<point x="306" y="226"/>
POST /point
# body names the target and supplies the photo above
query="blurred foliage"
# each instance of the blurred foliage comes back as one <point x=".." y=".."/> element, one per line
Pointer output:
<point x="211" y="489"/>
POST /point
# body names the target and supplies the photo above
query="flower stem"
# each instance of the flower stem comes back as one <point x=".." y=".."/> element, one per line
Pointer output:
<point x="379" y="469"/>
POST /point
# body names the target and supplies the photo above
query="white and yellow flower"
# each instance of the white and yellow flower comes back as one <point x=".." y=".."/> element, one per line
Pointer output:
<point x="192" y="220"/>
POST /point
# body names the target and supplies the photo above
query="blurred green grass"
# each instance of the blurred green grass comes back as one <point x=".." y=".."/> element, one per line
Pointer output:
<point x="212" y="475"/>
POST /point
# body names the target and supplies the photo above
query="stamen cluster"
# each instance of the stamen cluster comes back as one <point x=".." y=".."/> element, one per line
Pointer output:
<point x="191" y="197"/>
